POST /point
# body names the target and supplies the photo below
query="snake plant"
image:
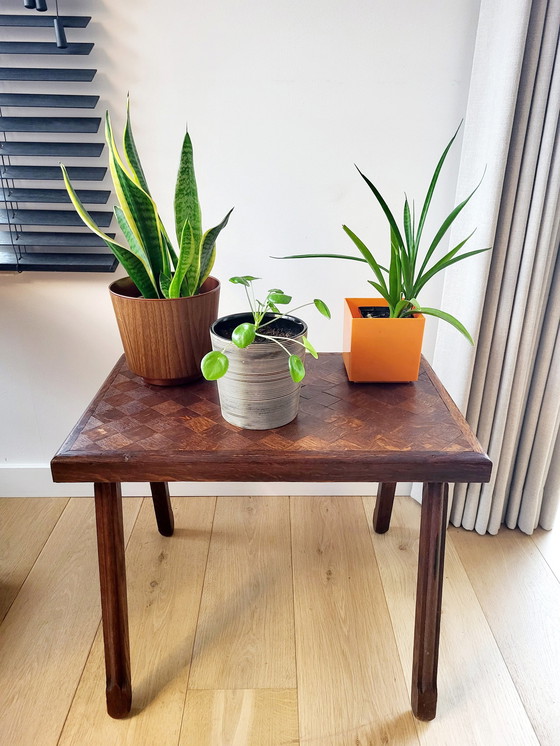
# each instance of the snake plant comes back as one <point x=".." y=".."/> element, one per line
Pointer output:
<point x="408" y="272"/>
<point x="149" y="257"/>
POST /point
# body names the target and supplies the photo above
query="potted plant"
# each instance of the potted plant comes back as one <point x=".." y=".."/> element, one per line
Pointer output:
<point x="262" y="352"/>
<point x="165" y="306"/>
<point x="383" y="336"/>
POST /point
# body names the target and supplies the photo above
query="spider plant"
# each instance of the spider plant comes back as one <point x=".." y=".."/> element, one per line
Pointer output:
<point x="153" y="264"/>
<point x="409" y="271"/>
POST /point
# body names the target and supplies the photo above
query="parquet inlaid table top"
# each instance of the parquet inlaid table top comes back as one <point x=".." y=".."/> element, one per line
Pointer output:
<point x="344" y="432"/>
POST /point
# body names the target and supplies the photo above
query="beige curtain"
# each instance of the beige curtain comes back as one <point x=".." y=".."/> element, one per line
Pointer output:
<point x="514" y="397"/>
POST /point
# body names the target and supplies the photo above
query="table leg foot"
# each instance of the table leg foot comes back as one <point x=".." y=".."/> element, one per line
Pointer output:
<point x="114" y="610"/>
<point x="383" y="506"/>
<point x="429" y="590"/>
<point x="162" y="508"/>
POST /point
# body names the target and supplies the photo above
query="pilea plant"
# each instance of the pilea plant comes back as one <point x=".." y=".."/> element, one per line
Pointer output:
<point x="401" y="283"/>
<point x="152" y="263"/>
<point x="215" y="364"/>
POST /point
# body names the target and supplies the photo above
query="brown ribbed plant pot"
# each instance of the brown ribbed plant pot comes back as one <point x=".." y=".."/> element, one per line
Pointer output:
<point x="165" y="339"/>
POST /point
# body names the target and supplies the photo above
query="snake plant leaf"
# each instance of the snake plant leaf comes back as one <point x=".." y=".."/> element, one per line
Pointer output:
<point x="297" y="368"/>
<point x="164" y="284"/>
<point x="187" y="252"/>
<point x="214" y="365"/>
<point x="187" y="205"/>
<point x="137" y="267"/>
<point x="131" y="153"/>
<point x="446" y="317"/>
<point x="431" y="188"/>
<point x="138" y="207"/>
<point x="322" y="307"/>
<point x="208" y="248"/>
<point x="309" y="347"/>
<point x="244" y="335"/>
<point x="368" y="256"/>
<point x="134" y="246"/>
<point x="384" y="206"/>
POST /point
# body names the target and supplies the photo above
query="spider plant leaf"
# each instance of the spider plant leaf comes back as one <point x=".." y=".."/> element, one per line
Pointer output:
<point x="407" y="223"/>
<point x="309" y="347"/>
<point x="214" y="365"/>
<point x="187" y="205"/>
<point x="395" y="276"/>
<point x="297" y="368"/>
<point x="368" y="256"/>
<point x="439" y="266"/>
<point x="431" y="188"/>
<point x="208" y="249"/>
<point x="445" y="227"/>
<point x="382" y="291"/>
<point x="187" y="251"/>
<point x="446" y="317"/>
<point x="401" y="306"/>
<point x="384" y="206"/>
<point x="131" y="153"/>
<point x="322" y="256"/>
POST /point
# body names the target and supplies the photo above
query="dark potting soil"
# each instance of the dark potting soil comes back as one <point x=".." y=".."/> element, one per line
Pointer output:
<point x="282" y="327"/>
<point x="376" y="312"/>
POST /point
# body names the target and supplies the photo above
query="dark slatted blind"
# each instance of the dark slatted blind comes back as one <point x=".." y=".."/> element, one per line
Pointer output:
<point x="39" y="228"/>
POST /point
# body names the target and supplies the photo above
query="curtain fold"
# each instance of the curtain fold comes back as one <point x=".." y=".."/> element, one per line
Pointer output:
<point x="514" y="400"/>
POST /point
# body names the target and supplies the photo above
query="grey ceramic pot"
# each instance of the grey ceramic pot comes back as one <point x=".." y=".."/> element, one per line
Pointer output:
<point x="257" y="392"/>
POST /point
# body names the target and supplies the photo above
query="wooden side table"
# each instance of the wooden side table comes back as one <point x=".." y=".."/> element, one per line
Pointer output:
<point x="344" y="432"/>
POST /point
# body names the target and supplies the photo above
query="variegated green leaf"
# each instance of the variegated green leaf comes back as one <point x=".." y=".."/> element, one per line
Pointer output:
<point x="134" y="247"/>
<point x="187" y="206"/>
<point x="164" y="284"/>
<point x="131" y="153"/>
<point x="186" y="258"/>
<point x="208" y="249"/>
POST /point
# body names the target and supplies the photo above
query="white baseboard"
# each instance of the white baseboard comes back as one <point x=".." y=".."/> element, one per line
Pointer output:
<point x="34" y="480"/>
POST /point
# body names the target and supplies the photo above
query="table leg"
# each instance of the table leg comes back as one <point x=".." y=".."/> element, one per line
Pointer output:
<point x="429" y="589"/>
<point x="112" y="577"/>
<point x="383" y="506"/>
<point x="162" y="508"/>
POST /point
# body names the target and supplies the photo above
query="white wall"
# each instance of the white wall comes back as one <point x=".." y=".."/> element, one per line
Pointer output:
<point x="282" y="98"/>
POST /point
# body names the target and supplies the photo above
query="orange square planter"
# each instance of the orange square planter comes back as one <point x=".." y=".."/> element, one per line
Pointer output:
<point x="381" y="350"/>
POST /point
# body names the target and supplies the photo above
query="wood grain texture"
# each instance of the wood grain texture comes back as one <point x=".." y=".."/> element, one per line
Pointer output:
<point x="165" y="339"/>
<point x="520" y="597"/>
<point x="25" y="526"/>
<point x="46" y="635"/>
<point x="350" y="684"/>
<point x="245" y="635"/>
<point x="343" y="432"/>
<point x="250" y="717"/>
<point x="549" y="546"/>
<point x="478" y="703"/>
<point x="165" y="577"/>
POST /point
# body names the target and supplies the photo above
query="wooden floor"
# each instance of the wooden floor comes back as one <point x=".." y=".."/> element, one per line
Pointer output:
<point x="270" y="620"/>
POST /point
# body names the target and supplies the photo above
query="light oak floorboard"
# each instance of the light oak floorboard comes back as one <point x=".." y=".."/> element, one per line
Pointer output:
<point x="165" y="576"/>
<point x="351" y="687"/>
<point x="520" y="597"/>
<point x="245" y="636"/>
<point x="548" y="543"/>
<point x="25" y="525"/>
<point x="476" y="696"/>
<point x="47" y="633"/>
<point x="250" y="717"/>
